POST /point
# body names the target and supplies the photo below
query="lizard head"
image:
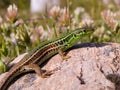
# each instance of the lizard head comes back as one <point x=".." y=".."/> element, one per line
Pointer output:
<point x="83" y="31"/>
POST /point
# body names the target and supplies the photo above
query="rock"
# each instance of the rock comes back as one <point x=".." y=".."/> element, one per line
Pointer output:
<point x="16" y="60"/>
<point x="91" y="67"/>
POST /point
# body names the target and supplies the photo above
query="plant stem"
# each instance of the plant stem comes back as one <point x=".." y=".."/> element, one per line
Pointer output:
<point x="68" y="11"/>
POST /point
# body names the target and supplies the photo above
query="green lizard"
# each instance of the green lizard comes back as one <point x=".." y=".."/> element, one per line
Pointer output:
<point x="42" y="53"/>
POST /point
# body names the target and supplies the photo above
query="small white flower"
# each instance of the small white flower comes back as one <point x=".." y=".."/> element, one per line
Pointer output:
<point x="12" y="11"/>
<point x="42" y="32"/>
<point x="87" y="22"/>
<point x="79" y="10"/>
<point x="109" y="17"/>
<point x="55" y="11"/>
<point x="106" y="2"/>
<point x="39" y="34"/>
<point x="19" y="22"/>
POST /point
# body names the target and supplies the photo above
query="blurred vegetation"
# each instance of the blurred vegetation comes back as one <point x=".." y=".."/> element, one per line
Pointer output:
<point x="21" y="32"/>
<point x="22" y="4"/>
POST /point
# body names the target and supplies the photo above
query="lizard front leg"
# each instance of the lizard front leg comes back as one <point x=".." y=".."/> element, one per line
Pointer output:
<point x="61" y="53"/>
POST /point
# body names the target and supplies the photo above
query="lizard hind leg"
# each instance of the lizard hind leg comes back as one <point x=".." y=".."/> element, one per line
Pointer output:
<point x="39" y="71"/>
<point x="34" y="67"/>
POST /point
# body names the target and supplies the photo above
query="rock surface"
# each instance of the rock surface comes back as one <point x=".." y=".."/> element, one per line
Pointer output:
<point x="91" y="67"/>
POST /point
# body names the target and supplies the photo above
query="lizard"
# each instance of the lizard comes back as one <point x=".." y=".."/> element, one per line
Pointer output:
<point x="34" y="59"/>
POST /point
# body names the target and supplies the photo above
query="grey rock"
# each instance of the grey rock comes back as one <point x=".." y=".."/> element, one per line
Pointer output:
<point x="91" y="67"/>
